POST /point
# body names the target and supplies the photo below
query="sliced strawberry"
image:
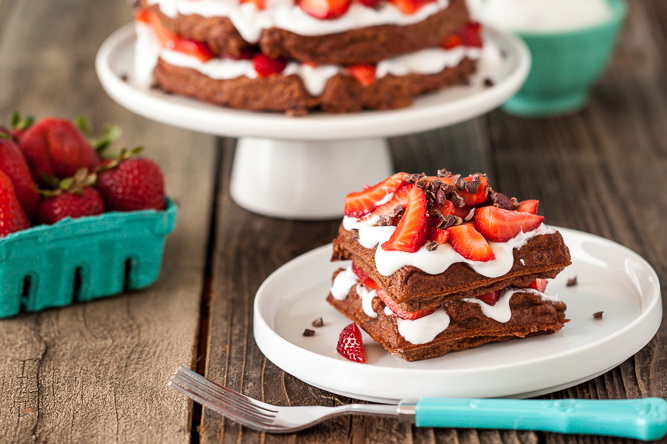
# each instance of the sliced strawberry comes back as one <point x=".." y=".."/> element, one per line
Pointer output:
<point x="470" y="198"/>
<point x="370" y="3"/>
<point x="350" y="346"/>
<point x="528" y="206"/>
<point x="400" y="197"/>
<point x="439" y="235"/>
<point x="259" y="4"/>
<point x="539" y="285"/>
<point x="451" y="42"/>
<point x="361" y="202"/>
<point x="469" y="243"/>
<point x="471" y="35"/>
<point x="173" y="41"/>
<point x="363" y="277"/>
<point x="364" y="73"/>
<point x="490" y="298"/>
<point x="266" y="66"/>
<point x="325" y="9"/>
<point x="499" y="225"/>
<point x="409" y="7"/>
<point x="143" y="16"/>
<point x="411" y="231"/>
<point x="398" y="311"/>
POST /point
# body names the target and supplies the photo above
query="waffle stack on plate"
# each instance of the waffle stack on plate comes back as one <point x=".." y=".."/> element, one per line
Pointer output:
<point x="444" y="263"/>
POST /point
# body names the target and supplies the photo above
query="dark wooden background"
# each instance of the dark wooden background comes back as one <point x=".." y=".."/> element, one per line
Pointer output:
<point x="97" y="372"/>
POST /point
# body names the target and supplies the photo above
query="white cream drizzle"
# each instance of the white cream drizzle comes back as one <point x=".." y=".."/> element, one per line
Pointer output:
<point x="426" y="328"/>
<point x="426" y="61"/>
<point x="438" y="260"/>
<point x="284" y="14"/>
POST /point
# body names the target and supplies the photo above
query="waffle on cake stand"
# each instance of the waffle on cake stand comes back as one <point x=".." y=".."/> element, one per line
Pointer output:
<point x="302" y="167"/>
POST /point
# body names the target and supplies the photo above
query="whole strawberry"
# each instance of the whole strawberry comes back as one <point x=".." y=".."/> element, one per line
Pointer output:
<point x="14" y="165"/>
<point x="74" y="197"/>
<point x="57" y="147"/>
<point x="131" y="183"/>
<point x="12" y="216"/>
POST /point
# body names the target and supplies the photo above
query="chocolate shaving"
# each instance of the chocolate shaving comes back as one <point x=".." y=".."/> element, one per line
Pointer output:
<point x="597" y="315"/>
<point x="449" y="221"/>
<point x="319" y="322"/>
<point x="501" y="201"/>
<point x="444" y="173"/>
<point x="413" y="178"/>
<point x="430" y="246"/>
<point x="571" y="282"/>
<point x="355" y="234"/>
<point x="440" y="197"/>
<point x="470" y="215"/>
<point x="308" y="332"/>
<point x="457" y="200"/>
<point x="488" y="82"/>
<point x="384" y="221"/>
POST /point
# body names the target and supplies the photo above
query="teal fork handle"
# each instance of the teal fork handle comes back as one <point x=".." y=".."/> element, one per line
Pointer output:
<point x="644" y="419"/>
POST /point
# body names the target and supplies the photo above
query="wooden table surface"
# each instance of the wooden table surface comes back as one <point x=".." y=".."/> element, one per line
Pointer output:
<point x="98" y="372"/>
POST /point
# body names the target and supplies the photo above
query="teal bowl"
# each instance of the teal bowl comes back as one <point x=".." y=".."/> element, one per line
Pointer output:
<point x="565" y="65"/>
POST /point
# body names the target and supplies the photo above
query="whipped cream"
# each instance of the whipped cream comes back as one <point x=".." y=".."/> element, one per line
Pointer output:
<point x="367" y="296"/>
<point x="148" y="50"/>
<point x="424" y="329"/>
<point x="284" y="14"/>
<point x="343" y="283"/>
<point x="438" y="260"/>
<point x="543" y="15"/>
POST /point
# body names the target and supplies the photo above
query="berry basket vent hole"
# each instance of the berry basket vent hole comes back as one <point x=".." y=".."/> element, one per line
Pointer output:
<point x="27" y="288"/>
<point x="78" y="283"/>
<point x="128" y="283"/>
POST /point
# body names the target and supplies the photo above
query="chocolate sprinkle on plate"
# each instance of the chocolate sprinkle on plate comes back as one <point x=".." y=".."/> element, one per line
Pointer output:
<point x="571" y="282"/>
<point x="308" y="332"/>
<point x="597" y="315"/>
<point x="319" y="322"/>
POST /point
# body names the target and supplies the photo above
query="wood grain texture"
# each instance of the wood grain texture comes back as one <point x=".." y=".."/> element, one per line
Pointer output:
<point x="98" y="372"/>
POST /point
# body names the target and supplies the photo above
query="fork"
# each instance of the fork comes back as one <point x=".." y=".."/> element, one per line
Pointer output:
<point x="644" y="419"/>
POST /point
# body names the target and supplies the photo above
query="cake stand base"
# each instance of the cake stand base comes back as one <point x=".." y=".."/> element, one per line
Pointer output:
<point x="296" y="179"/>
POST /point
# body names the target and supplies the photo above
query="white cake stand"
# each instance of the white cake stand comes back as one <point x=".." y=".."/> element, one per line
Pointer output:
<point x="302" y="167"/>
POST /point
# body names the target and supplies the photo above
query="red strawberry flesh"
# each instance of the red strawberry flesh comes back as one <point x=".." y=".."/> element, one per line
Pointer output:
<point x="398" y="311"/>
<point x="350" y="345"/>
<point x="12" y="216"/>
<point x="499" y="225"/>
<point x="361" y="202"/>
<point x="325" y="9"/>
<point x="412" y="230"/>
<point x="469" y="243"/>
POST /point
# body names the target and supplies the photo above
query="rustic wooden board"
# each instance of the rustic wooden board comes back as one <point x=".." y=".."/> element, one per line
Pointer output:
<point x="98" y="372"/>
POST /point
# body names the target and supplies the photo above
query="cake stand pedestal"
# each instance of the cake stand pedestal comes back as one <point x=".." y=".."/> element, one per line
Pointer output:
<point x="302" y="167"/>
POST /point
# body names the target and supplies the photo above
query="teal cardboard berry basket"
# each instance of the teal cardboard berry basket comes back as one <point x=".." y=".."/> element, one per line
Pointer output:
<point x="78" y="260"/>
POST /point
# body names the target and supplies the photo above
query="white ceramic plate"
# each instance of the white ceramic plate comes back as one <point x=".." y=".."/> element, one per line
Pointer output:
<point x="611" y="279"/>
<point x="114" y="65"/>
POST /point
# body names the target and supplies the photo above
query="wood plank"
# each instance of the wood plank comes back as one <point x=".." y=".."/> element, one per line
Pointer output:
<point x="97" y="372"/>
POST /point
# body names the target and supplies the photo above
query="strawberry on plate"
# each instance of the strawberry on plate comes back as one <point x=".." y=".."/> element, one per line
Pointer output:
<point x="539" y="285"/>
<point x="12" y="216"/>
<point x="528" y="206"/>
<point x="412" y="230"/>
<point x="469" y="243"/>
<point x="500" y="225"/>
<point x="361" y="202"/>
<point x="350" y="345"/>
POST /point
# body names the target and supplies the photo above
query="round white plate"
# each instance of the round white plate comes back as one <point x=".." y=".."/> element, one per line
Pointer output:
<point x="506" y="62"/>
<point x="611" y="279"/>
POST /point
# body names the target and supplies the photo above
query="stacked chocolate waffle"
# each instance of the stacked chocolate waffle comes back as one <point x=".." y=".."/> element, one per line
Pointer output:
<point x="444" y="263"/>
<point x="295" y="56"/>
